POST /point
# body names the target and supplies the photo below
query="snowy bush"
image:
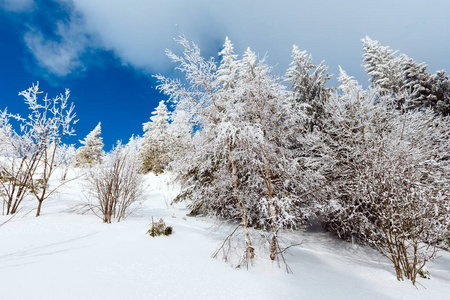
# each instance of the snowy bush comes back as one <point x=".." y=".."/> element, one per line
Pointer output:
<point x="159" y="228"/>
<point x="115" y="185"/>
<point x="388" y="176"/>
<point x="65" y="158"/>
<point x="28" y="156"/>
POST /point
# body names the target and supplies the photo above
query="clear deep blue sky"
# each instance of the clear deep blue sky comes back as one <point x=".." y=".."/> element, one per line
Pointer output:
<point x="106" y="51"/>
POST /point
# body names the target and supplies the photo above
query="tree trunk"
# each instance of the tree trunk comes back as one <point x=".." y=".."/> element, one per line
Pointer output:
<point x="268" y="180"/>
<point x="38" y="213"/>
<point x="250" y="248"/>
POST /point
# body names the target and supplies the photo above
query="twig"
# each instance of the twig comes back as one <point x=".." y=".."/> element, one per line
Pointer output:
<point x="225" y="241"/>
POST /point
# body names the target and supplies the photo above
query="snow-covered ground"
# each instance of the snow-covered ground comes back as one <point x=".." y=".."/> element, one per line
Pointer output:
<point x="68" y="255"/>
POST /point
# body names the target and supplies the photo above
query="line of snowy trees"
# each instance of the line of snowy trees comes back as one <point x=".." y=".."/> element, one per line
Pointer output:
<point x="270" y="153"/>
<point x="32" y="150"/>
<point x="371" y="164"/>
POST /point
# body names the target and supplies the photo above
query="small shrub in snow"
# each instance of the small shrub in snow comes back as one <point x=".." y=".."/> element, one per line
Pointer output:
<point x="65" y="158"/>
<point x="424" y="273"/>
<point x="159" y="228"/>
<point x="115" y="184"/>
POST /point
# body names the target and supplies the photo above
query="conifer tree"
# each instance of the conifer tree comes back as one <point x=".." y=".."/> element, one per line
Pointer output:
<point x="383" y="67"/>
<point x="405" y="81"/>
<point x="308" y="84"/>
<point x="153" y="150"/>
<point x="180" y="139"/>
<point x="229" y="66"/>
<point x="92" y="150"/>
<point x="439" y="85"/>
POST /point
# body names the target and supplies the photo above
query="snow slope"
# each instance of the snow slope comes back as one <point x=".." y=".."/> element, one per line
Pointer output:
<point x="68" y="255"/>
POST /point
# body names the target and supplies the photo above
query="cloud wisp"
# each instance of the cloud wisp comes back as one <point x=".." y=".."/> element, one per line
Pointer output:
<point x="62" y="56"/>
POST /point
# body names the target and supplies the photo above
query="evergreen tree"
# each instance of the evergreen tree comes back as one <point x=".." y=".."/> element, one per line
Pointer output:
<point x="157" y="127"/>
<point x="92" y="150"/>
<point x="440" y="92"/>
<point x="308" y="84"/>
<point x="405" y="81"/>
<point x="229" y="66"/>
<point x="383" y="67"/>
<point x="153" y="150"/>
<point x="180" y="142"/>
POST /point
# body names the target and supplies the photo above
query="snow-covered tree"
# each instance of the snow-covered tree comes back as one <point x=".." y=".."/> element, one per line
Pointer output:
<point x="158" y="125"/>
<point x="308" y="84"/>
<point x="154" y="147"/>
<point x="388" y="176"/>
<point x="6" y="134"/>
<point x="383" y="67"/>
<point x="180" y="137"/>
<point x="92" y="150"/>
<point x="255" y="157"/>
<point x="398" y="75"/>
<point x="229" y="67"/>
<point x="27" y="170"/>
<point x="243" y="148"/>
<point x="439" y="85"/>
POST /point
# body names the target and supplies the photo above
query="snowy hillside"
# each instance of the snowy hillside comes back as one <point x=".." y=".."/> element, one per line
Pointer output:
<point x="67" y="255"/>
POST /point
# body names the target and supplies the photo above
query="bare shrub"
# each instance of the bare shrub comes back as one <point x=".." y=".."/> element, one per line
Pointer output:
<point x="65" y="158"/>
<point x="115" y="184"/>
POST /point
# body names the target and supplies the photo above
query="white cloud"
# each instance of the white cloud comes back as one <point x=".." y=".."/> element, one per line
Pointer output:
<point x="62" y="56"/>
<point x="17" y="5"/>
<point x="138" y="31"/>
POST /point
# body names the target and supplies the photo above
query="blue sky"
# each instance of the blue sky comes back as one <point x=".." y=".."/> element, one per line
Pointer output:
<point x="106" y="51"/>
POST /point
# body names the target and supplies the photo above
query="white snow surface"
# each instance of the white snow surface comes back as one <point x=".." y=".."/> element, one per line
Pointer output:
<point x="64" y="254"/>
